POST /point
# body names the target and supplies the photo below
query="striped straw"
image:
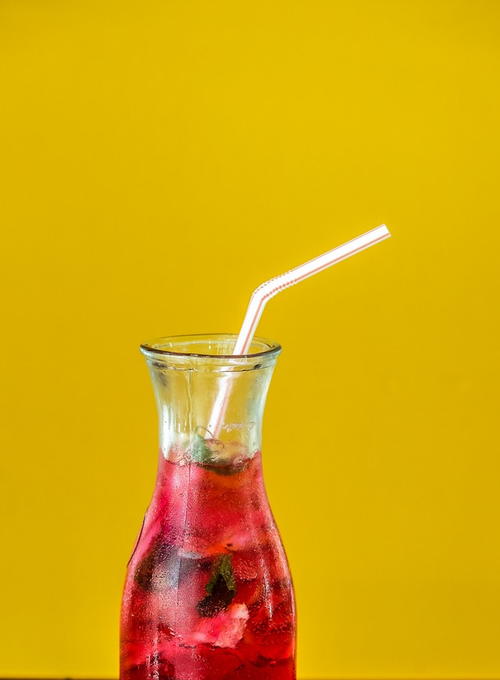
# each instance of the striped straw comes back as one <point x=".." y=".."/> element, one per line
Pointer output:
<point x="270" y="288"/>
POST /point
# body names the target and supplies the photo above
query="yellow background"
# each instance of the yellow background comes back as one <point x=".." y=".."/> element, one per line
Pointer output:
<point x="158" y="160"/>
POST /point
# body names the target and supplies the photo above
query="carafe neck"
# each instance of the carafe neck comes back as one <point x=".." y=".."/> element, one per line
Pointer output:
<point x="189" y="375"/>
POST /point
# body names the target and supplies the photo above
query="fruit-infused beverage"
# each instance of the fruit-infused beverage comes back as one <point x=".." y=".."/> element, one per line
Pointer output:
<point x="208" y="594"/>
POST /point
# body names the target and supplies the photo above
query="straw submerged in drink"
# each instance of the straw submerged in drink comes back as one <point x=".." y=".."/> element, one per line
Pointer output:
<point x="270" y="288"/>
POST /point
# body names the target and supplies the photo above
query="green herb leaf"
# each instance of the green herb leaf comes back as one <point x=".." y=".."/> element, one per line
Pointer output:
<point x="200" y="452"/>
<point x="223" y="569"/>
<point x="221" y="588"/>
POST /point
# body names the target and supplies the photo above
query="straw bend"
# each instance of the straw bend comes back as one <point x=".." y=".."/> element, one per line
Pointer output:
<point x="273" y="286"/>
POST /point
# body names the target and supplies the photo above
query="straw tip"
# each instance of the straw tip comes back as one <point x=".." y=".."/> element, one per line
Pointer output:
<point x="383" y="229"/>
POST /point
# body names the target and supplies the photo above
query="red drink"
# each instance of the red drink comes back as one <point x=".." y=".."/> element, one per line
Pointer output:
<point x="208" y="594"/>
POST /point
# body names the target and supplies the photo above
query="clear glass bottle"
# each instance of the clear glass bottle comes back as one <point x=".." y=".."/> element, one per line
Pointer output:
<point x="208" y="593"/>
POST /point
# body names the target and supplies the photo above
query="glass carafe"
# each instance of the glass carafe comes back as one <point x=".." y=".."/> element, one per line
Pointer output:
<point x="208" y="593"/>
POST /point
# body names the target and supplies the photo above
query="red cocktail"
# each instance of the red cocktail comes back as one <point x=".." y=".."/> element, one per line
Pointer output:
<point x="208" y="594"/>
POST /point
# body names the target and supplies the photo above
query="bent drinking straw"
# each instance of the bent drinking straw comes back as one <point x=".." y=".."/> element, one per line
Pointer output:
<point x="270" y="288"/>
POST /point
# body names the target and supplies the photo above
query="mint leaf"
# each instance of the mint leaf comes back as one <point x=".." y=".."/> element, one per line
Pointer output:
<point x="214" y="455"/>
<point x="200" y="452"/>
<point x="223" y="569"/>
<point x="221" y="588"/>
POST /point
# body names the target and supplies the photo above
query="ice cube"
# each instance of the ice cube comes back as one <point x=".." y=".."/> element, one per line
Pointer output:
<point x="225" y="629"/>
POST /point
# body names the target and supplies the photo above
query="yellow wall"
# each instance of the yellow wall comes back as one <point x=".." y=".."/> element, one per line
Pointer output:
<point x="158" y="160"/>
